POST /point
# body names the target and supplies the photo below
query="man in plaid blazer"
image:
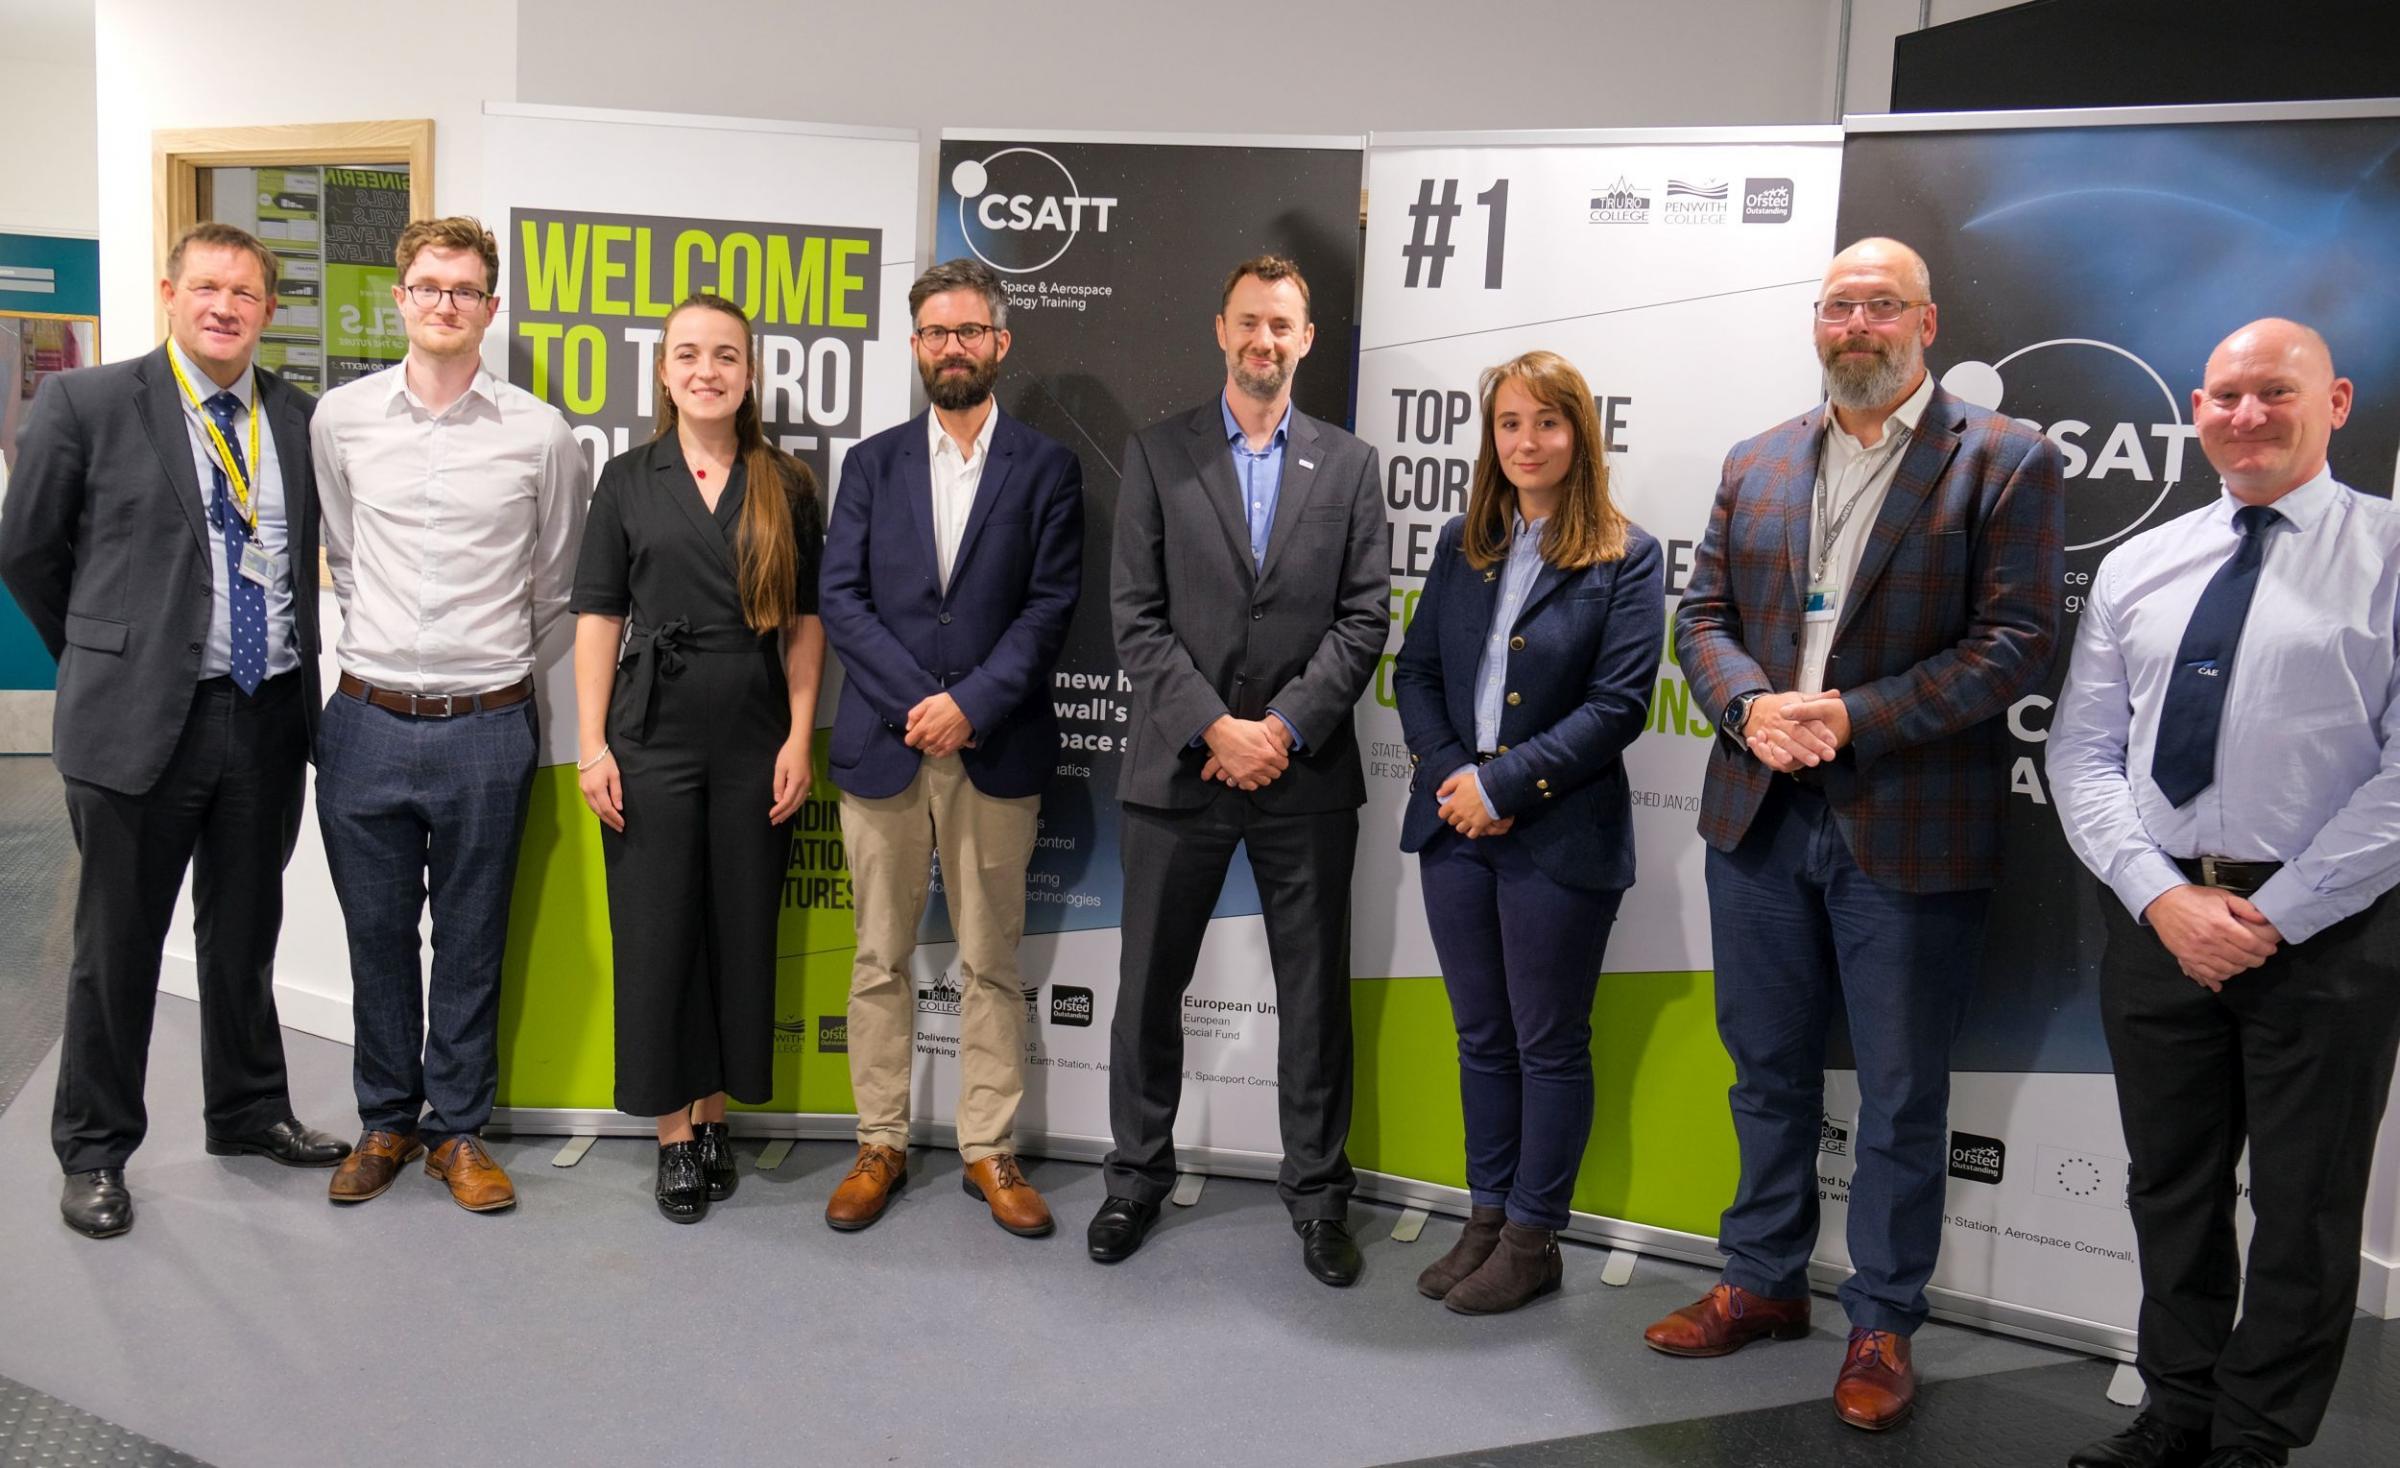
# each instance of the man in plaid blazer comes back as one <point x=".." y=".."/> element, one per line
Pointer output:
<point x="1878" y="583"/>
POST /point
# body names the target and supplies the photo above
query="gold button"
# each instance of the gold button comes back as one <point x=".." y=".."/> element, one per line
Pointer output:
<point x="1545" y="795"/>
<point x="1503" y="749"/>
<point x="1541" y="784"/>
<point x="1514" y="699"/>
<point x="1516" y="644"/>
<point x="1412" y="759"/>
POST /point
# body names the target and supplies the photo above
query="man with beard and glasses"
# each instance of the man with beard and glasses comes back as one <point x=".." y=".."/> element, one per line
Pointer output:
<point x="953" y="559"/>
<point x="1249" y="599"/>
<point x="1878" y="583"/>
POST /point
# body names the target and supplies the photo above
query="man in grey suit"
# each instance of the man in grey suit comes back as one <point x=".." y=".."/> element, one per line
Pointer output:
<point x="1249" y="603"/>
<point x="161" y="536"/>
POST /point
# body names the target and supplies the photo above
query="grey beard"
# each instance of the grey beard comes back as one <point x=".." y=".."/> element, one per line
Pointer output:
<point x="1261" y="385"/>
<point x="1872" y="387"/>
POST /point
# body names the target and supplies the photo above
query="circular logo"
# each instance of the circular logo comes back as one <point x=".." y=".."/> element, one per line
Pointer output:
<point x="2078" y="1176"/>
<point x="2119" y="427"/>
<point x="1019" y="209"/>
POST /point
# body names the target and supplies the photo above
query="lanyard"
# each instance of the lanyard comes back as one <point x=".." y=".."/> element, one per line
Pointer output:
<point x="1872" y="460"/>
<point x="225" y="459"/>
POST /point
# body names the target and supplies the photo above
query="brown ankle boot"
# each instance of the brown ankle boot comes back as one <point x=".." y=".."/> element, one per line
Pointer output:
<point x="1475" y="1244"/>
<point x="1525" y="1267"/>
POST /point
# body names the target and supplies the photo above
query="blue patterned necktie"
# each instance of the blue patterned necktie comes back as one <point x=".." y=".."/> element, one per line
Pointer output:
<point x="249" y="598"/>
<point x="2185" y="760"/>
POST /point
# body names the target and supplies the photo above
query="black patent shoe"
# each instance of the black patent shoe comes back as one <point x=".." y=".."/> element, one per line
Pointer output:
<point x="1117" y="1229"/>
<point x="96" y="1204"/>
<point x="2151" y="1442"/>
<point x="287" y="1142"/>
<point x="682" y="1184"/>
<point x="715" y="1140"/>
<point x="1327" y="1251"/>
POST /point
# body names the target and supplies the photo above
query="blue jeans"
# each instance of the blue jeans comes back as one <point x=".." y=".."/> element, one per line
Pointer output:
<point x="411" y="807"/>
<point x="1800" y="932"/>
<point x="1520" y="956"/>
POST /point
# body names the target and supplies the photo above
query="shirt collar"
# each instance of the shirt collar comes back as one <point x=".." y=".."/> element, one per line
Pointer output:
<point x="1908" y="415"/>
<point x="1519" y="527"/>
<point x="936" y="436"/>
<point x="2303" y="505"/>
<point x="1241" y="440"/>
<point x="244" y="387"/>
<point x="480" y="387"/>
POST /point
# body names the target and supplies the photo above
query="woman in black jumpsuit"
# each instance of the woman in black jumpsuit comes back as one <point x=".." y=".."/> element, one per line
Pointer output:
<point x="697" y="657"/>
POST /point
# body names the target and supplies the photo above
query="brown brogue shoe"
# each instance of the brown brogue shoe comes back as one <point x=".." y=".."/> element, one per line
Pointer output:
<point x="861" y="1198"/>
<point x="372" y="1164"/>
<point x="1015" y="1205"/>
<point x="1726" y="1319"/>
<point x="1877" y="1386"/>
<point x="477" y="1183"/>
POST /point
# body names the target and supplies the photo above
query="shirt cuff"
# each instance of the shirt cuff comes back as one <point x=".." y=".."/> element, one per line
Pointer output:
<point x="1290" y="727"/>
<point x="2144" y="880"/>
<point x="1442" y="800"/>
<point x="2297" y="913"/>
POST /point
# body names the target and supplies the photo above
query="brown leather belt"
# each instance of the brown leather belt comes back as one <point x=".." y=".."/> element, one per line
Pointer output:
<point x="436" y="705"/>
<point x="2239" y="877"/>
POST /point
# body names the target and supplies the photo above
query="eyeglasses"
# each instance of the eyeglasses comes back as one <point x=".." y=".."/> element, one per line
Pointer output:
<point x="464" y="297"/>
<point x="969" y="336"/>
<point x="1883" y="310"/>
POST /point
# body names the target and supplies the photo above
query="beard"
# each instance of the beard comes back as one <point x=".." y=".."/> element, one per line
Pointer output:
<point x="1862" y="386"/>
<point x="954" y="391"/>
<point x="1262" y="383"/>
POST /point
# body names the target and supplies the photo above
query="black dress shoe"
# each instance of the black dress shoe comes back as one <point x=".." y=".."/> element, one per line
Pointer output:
<point x="2149" y="1443"/>
<point x="288" y="1142"/>
<point x="2243" y="1457"/>
<point x="682" y="1183"/>
<point x="1118" y="1227"/>
<point x="95" y="1204"/>
<point x="716" y="1158"/>
<point x="1328" y="1250"/>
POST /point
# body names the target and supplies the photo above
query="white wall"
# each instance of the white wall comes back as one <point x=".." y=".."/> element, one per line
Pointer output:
<point x="48" y="130"/>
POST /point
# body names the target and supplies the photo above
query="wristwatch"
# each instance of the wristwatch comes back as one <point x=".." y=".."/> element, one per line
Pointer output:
<point x="1737" y="713"/>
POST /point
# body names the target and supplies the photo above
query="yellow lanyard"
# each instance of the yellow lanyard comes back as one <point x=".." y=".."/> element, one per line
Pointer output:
<point x="225" y="459"/>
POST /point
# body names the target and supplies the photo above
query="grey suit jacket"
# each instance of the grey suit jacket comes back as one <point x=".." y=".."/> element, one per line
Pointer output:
<point x="106" y="547"/>
<point x="1202" y="633"/>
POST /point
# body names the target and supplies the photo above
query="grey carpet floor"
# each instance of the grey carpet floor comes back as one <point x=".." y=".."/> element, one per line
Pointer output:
<point x="248" y="1322"/>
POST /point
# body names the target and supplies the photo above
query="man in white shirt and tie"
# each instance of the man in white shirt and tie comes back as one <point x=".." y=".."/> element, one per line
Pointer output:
<point x="453" y="508"/>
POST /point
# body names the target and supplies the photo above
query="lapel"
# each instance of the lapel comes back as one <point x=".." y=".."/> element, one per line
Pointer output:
<point x="1301" y="453"/>
<point x="1214" y="463"/>
<point x="162" y="417"/>
<point x="1921" y="464"/>
<point x="915" y="469"/>
<point x="988" y="489"/>
<point x="1805" y="452"/>
<point x="291" y="450"/>
<point x="674" y="479"/>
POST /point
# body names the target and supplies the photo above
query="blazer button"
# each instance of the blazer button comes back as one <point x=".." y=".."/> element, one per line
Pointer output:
<point x="191" y="647"/>
<point x="1541" y="784"/>
<point x="1241" y="677"/>
<point x="945" y="619"/>
<point x="1503" y="749"/>
<point x="1256" y="614"/>
<point x="1514" y="699"/>
<point x="1516" y="644"/>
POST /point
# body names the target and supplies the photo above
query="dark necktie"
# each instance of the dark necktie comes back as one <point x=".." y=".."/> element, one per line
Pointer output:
<point x="249" y="598"/>
<point x="2185" y="761"/>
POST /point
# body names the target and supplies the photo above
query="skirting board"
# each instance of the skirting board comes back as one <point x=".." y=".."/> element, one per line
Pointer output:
<point x="25" y="720"/>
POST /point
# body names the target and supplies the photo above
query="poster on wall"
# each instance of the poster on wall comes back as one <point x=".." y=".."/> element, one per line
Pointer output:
<point x="332" y="231"/>
<point x="1114" y="251"/>
<point x="2084" y="266"/>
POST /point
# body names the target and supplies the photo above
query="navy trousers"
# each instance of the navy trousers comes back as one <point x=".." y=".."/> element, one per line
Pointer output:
<point x="411" y="809"/>
<point x="1799" y="932"/>
<point x="1520" y="956"/>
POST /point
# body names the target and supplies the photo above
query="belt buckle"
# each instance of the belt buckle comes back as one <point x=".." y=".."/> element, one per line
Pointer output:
<point x="418" y="702"/>
<point x="2208" y="872"/>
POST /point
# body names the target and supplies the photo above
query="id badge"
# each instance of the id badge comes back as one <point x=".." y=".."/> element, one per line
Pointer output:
<point x="259" y="565"/>
<point x="1823" y="602"/>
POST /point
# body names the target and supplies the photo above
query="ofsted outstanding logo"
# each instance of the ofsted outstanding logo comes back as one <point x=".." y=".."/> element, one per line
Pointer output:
<point x="1019" y="209"/>
<point x="2119" y="426"/>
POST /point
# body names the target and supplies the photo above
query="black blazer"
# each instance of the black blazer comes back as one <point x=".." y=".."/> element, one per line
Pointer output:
<point x="1582" y="666"/>
<point x="106" y="546"/>
<point x="1202" y="632"/>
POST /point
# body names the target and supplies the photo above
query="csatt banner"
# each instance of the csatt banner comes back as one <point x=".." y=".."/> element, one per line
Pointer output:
<point x="2084" y="266"/>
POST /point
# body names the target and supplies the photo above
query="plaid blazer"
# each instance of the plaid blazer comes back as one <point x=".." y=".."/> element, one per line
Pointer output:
<point x="1953" y="617"/>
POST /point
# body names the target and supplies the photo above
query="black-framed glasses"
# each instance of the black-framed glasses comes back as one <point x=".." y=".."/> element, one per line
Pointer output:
<point x="1882" y="310"/>
<point x="464" y="297"/>
<point x="970" y="336"/>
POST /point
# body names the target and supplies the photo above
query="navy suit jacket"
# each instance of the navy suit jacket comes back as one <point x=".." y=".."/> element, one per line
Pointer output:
<point x="1582" y="665"/>
<point x="990" y="639"/>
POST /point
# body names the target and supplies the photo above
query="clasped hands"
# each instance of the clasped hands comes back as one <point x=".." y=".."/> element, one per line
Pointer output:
<point x="1794" y="731"/>
<point x="2214" y="934"/>
<point x="937" y="726"/>
<point x="1247" y="754"/>
<point x="1459" y="800"/>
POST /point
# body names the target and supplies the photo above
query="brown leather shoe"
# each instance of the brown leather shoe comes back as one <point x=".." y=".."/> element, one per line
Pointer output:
<point x="1015" y="1205"/>
<point x="372" y="1164"/>
<point x="1877" y="1386"/>
<point x="1726" y="1319"/>
<point x="878" y="1173"/>
<point x="477" y="1183"/>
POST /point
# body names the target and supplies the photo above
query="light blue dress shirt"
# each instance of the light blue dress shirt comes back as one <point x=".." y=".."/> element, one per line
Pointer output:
<point x="1517" y="575"/>
<point x="2308" y="756"/>
<point x="1260" y="472"/>
<point x="273" y="535"/>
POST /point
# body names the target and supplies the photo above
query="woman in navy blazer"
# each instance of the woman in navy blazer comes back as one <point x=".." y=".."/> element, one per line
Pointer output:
<point x="1527" y="668"/>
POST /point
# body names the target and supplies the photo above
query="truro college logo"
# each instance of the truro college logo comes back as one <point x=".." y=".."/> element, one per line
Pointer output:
<point x="1020" y="209"/>
<point x="1622" y="202"/>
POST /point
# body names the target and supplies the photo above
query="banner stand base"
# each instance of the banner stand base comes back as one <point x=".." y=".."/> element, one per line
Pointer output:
<point x="2125" y="1387"/>
<point x="1618" y="1271"/>
<point x="1410" y="1225"/>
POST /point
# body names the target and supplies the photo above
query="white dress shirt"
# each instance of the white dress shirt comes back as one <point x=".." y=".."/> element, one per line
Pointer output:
<point x="2308" y="755"/>
<point x="273" y="532"/>
<point x="955" y="478"/>
<point x="1847" y="468"/>
<point x="452" y="535"/>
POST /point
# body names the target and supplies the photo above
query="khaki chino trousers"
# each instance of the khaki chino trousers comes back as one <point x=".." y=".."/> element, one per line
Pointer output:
<point x="985" y="843"/>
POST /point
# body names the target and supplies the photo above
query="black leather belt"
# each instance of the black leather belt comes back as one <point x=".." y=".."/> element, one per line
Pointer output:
<point x="436" y="705"/>
<point x="2240" y="877"/>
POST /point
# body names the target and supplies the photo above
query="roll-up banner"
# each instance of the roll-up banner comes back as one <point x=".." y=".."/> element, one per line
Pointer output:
<point x="1675" y="269"/>
<point x="2085" y="264"/>
<point x="1114" y="249"/>
<point x="605" y="220"/>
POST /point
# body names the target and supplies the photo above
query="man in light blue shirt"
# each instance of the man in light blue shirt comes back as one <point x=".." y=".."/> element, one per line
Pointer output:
<point x="2226" y="758"/>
